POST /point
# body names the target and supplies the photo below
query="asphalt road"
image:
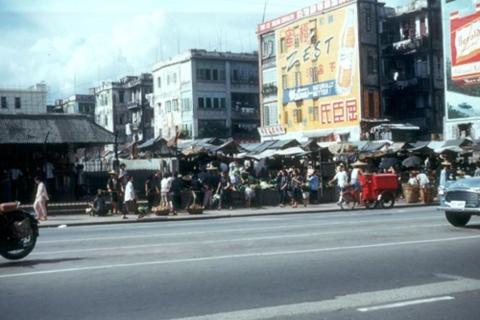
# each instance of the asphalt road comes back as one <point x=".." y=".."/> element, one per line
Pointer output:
<point x="379" y="264"/>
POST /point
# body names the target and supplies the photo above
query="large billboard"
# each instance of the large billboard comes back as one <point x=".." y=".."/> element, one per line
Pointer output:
<point x="317" y="63"/>
<point x="461" y="36"/>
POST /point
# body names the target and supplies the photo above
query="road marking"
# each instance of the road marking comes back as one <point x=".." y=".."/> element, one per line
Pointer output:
<point x="280" y="227"/>
<point x="238" y="256"/>
<point x="351" y="301"/>
<point x="405" y="304"/>
<point x="217" y="241"/>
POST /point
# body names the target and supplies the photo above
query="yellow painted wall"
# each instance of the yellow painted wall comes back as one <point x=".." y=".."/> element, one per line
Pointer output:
<point x="329" y="43"/>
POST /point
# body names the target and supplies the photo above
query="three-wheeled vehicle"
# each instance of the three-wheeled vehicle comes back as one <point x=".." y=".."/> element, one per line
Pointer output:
<point x="377" y="190"/>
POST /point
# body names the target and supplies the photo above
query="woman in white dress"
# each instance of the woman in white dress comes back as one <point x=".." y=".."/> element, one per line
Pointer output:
<point x="41" y="198"/>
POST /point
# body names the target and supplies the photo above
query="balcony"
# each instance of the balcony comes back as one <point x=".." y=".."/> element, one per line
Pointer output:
<point x="133" y="105"/>
<point x="269" y="90"/>
<point x="407" y="46"/>
<point x="410" y="85"/>
<point x="245" y="113"/>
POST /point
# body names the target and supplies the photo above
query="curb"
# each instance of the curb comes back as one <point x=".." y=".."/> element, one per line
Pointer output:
<point x="218" y="216"/>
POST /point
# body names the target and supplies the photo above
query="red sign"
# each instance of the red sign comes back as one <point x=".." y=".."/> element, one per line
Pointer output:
<point x="465" y="46"/>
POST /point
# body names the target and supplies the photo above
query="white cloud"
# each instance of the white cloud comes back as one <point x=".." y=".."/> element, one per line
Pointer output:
<point x="73" y="47"/>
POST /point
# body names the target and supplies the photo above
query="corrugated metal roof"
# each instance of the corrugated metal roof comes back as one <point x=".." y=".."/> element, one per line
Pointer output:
<point x="60" y="128"/>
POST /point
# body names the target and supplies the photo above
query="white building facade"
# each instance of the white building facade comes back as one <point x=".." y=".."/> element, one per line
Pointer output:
<point x="77" y="103"/>
<point x="206" y="94"/>
<point x="122" y="107"/>
<point x="32" y="100"/>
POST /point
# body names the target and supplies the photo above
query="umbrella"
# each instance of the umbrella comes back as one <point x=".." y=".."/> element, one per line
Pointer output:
<point x="412" y="162"/>
<point x="388" y="162"/>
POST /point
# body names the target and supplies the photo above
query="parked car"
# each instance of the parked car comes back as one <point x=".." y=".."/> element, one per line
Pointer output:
<point x="460" y="200"/>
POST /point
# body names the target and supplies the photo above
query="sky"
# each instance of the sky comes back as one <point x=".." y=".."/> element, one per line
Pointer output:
<point x="75" y="45"/>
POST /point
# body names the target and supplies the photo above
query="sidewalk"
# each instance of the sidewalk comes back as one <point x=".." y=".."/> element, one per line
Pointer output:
<point x="69" y="220"/>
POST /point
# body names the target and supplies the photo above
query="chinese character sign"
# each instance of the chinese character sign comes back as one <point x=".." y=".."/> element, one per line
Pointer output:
<point x="320" y="60"/>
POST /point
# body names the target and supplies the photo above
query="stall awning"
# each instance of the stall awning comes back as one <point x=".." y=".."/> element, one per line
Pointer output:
<point x="52" y="129"/>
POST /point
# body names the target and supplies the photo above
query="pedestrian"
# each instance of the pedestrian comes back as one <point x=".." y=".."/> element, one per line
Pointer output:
<point x="130" y="198"/>
<point x="49" y="172"/>
<point x="115" y="190"/>
<point x="477" y="170"/>
<point x="150" y="192"/>
<point x="165" y="186"/>
<point x="313" y="183"/>
<point x="281" y="186"/>
<point x="176" y="193"/>
<point x="98" y="207"/>
<point x="423" y="183"/>
<point x="357" y="171"/>
<point x="41" y="198"/>
<point x="296" y="187"/>
<point x="341" y="178"/>
<point x="224" y="189"/>
<point x="444" y="173"/>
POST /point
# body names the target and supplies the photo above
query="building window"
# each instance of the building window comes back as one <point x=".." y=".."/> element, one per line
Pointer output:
<point x="121" y="97"/>
<point x="314" y="74"/>
<point x="159" y="82"/>
<point x="284" y="81"/>
<point x="18" y="103"/>
<point x="168" y="106"/>
<point x="4" y="103"/>
<point x="316" y="114"/>
<point x="216" y="103"/>
<point x="313" y="113"/>
<point x="285" y="117"/>
<point x="175" y="104"/>
<point x="208" y="102"/>
<point x="215" y="75"/>
<point x="368" y="19"/>
<point x="174" y="78"/>
<point x="371" y="65"/>
<point x="283" y="45"/>
<point x="297" y="115"/>
<point x="168" y="79"/>
<point x="223" y="103"/>
<point x="201" y="102"/>
<point x="186" y="104"/>
<point x="298" y="78"/>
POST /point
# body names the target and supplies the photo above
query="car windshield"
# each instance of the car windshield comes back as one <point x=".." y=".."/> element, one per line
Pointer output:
<point x="466" y="183"/>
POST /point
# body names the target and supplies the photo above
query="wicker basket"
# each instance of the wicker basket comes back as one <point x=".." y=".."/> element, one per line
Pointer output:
<point x="195" y="210"/>
<point x="411" y="193"/>
<point x="161" y="211"/>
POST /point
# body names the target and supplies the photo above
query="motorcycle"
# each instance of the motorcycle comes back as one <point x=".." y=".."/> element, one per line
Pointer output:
<point x="18" y="231"/>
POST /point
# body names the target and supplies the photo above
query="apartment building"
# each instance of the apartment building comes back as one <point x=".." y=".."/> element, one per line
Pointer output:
<point x="203" y="93"/>
<point x="123" y="108"/>
<point x="32" y="100"/>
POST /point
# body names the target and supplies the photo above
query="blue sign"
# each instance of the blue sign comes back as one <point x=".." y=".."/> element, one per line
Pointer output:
<point x="312" y="91"/>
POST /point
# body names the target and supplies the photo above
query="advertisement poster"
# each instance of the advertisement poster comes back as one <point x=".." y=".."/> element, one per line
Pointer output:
<point x="461" y="34"/>
<point x="318" y="70"/>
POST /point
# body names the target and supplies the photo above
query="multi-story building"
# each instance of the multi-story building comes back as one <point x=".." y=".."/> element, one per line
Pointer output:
<point x="207" y="94"/>
<point x="461" y="44"/>
<point x="122" y="107"/>
<point x="25" y="101"/>
<point x="77" y="103"/>
<point x="319" y="71"/>
<point x="412" y="71"/>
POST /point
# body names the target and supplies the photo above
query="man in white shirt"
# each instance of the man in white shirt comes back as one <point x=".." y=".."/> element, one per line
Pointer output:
<point x="423" y="182"/>
<point x="130" y="198"/>
<point x="165" y="186"/>
<point x="341" y="177"/>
